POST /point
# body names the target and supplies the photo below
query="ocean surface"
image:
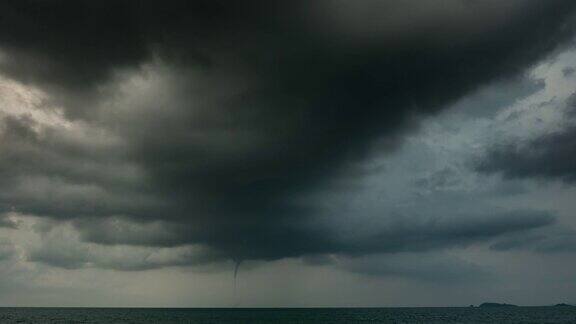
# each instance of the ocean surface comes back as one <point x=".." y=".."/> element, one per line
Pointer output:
<point x="318" y="315"/>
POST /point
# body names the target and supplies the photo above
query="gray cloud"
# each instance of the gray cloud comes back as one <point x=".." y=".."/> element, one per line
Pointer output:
<point x="405" y="234"/>
<point x="81" y="257"/>
<point x="59" y="245"/>
<point x="6" y="249"/>
<point x="206" y="122"/>
<point x="568" y="71"/>
<point x="549" y="156"/>
<point x="6" y="222"/>
<point x="551" y="241"/>
<point x="442" y="269"/>
<point x="458" y="230"/>
<point x="491" y="99"/>
<point x="444" y="179"/>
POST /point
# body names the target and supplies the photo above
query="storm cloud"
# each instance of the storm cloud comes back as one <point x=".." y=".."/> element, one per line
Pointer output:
<point x="549" y="156"/>
<point x="210" y="122"/>
<point x="548" y="242"/>
<point x="424" y="267"/>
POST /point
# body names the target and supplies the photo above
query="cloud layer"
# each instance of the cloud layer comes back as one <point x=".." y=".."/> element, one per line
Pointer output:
<point x="548" y="156"/>
<point x="210" y="124"/>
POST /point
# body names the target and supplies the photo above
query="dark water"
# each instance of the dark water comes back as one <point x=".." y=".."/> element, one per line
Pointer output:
<point x="326" y="315"/>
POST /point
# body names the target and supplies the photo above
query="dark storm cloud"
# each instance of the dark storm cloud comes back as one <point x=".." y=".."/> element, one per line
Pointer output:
<point x="550" y="156"/>
<point x="439" y="180"/>
<point x="78" y="43"/>
<point x="459" y="230"/>
<point x="257" y="103"/>
<point x="425" y="267"/>
<point x="551" y="241"/>
<point x="65" y="174"/>
<point x="277" y="241"/>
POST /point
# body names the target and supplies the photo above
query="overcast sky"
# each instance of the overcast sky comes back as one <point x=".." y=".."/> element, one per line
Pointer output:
<point x="340" y="153"/>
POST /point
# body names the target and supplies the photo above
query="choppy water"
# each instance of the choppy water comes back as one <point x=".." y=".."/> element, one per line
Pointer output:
<point x="327" y="315"/>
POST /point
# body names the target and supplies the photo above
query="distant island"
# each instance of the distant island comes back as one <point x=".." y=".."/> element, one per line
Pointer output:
<point x="496" y="305"/>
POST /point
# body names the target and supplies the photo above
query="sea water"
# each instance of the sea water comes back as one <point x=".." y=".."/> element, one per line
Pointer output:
<point x="306" y="315"/>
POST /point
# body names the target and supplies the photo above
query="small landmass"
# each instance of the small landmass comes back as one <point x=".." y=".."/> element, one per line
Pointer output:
<point x="563" y="305"/>
<point x="496" y="305"/>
